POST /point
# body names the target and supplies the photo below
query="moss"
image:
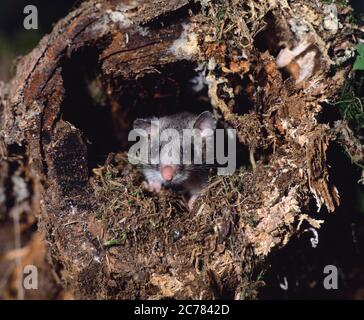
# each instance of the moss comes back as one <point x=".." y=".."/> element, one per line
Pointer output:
<point x="350" y="103"/>
<point x="341" y="3"/>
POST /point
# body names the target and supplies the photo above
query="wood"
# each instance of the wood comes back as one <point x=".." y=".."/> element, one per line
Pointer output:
<point x="55" y="153"/>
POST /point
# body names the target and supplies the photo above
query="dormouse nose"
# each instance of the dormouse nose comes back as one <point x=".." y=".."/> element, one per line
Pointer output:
<point x="168" y="172"/>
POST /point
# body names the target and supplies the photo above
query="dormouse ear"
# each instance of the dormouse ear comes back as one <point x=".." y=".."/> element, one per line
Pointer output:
<point x="205" y="123"/>
<point x="145" y="124"/>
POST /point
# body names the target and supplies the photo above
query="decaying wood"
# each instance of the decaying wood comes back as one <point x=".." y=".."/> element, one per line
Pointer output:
<point x="286" y="141"/>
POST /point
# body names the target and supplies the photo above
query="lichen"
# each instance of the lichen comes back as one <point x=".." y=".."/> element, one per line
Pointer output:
<point x="186" y="47"/>
<point x="121" y="18"/>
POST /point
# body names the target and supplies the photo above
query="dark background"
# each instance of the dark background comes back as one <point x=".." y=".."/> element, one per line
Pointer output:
<point x="14" y="39"/>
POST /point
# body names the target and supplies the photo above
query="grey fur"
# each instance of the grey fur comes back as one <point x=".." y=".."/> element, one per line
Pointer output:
<point x="190" y="177"/>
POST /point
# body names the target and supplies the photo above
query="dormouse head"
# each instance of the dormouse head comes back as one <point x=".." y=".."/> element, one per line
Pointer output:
<point x="170" y="141"/>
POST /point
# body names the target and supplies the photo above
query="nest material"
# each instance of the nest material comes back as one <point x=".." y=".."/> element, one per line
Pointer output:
<point x="237" y="218"/>
<point x="164" y="236"/>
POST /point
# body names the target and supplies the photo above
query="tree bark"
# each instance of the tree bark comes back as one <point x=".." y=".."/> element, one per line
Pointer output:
<point x="268" y="74"/>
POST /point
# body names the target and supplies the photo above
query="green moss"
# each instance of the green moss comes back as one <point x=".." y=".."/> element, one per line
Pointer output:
<point x="341" y="3"/>
<point x="113" y="242"/>
<point x="359" y="62"/>
<point x="350" y="99"/>
<point x="350" y="103"/>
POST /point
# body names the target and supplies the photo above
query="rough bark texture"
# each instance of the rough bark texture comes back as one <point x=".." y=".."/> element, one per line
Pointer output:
<point x="259" y="83"/>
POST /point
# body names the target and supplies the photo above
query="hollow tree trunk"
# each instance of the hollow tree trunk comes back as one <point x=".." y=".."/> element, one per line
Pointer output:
<point x="268" y="73"/>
